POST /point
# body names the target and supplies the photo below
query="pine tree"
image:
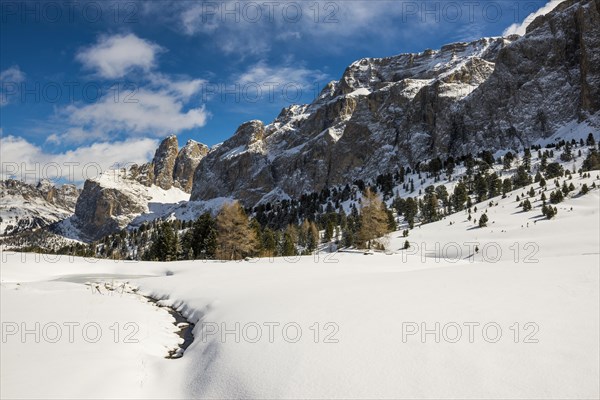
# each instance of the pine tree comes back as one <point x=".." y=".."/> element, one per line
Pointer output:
<point x="460" y="196"/>
<point x="591" y="142"/>
<point x="410" y="211"/>
<point x="204" y="237"/>
<point x="269" y="243"/>
<point x="236" y="239"/>
<point x="329" y="228"/>
<point x="554" y="170"/>
<point x="508" y="159"/>
<point x="483" y="221"/>
<point x="506" y="186"/>
<point x="164" y="246"/>
<point x="429" y="208"/>
<point x="584" y="189"/>
<point x="592" y="161"/>
<point x="373" y="219"/>
<point x="289" y="242"/>
<point x="522" y="177"/>
<point x="527" y="160"/>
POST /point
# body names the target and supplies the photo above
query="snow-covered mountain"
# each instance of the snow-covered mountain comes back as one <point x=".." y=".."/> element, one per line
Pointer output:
<point x="495" y="94"/>
<point x="492" y="94"/>
<point x="26" y="207"/>
<point x="113" y="200"/>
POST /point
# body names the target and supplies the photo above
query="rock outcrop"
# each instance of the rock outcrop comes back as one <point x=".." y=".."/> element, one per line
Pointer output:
<point x="63" y="196"/>
<point x="164" y="162"/>
<point x="493" y="93"/>
<point x="186" y="162"/>
<point x="27" y="207"/>
<point x="170" y="166"/>
<point x="102" y="209"/>
<point x="112" y="201"/>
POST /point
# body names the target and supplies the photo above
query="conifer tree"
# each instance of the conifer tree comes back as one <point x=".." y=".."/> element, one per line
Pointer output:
<point x="204" y="237"/>
<point x="584" y="189"/>
<point x="269" y="243"/>
<point x="373" y="220"/>
<point x="429" y="208"/>
<point x="460" y="196"/>
<point x="236" y="239"/>
<point x="506" y="186"/>
<point x="410" y="211"/>
<point x="483" y="221"/>
<point x="313" y="237"/>
<point x="289" y="242"/>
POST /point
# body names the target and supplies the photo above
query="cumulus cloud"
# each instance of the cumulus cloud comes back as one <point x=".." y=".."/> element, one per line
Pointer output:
<point x="151" y="104"/>
<point x="25" y="161"/>
<point x="147" y="112"/>
<point x="116" y="56"/>
<point x="12" y="74"/>
<point x="10" y="79"/>
<point x="254" y="26"/>
<point x="261" y="73"/>
<point x="521" y="29"/>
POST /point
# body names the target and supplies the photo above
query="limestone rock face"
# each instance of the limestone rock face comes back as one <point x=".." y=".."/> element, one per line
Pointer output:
<point x="186" y="162"/>
<point x="164" y="162"/>
<point x="113" y="200"/>
<point x="26" y="207"/>
<point x="171" y="167"/>
<point x="63" y="196"/>
<point x="492" y="94"/>
<point x="144" y="173"/>
<point x="108" y="203"/>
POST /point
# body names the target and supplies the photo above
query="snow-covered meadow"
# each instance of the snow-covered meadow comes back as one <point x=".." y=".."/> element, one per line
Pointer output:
<point x="518" y="318"/>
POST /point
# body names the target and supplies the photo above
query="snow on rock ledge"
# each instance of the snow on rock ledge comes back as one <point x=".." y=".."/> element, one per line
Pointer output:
<point x="111" y="201"/>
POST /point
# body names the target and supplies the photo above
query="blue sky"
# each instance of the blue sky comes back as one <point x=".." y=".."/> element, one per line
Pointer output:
<point x="109" y="79"/>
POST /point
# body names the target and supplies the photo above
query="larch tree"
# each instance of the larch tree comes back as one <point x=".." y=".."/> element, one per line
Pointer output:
<point x="236" y="238"/>
<point x="373" y="219"/>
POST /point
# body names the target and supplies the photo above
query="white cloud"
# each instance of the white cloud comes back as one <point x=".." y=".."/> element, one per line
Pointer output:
<point x="251" y="28"/>
<point x="183" y="88"/>
<point x="53" y="139"/>
<point x="12" y="74"/>
<point x="10" y="79"/>
<point x="147" y="112"/>
<point x="23" y="160"/>
<point x="521" y="29"/>
<point x="116" y="56"/>
<point x="153" y="104"/>
<point x="262" y="74"/>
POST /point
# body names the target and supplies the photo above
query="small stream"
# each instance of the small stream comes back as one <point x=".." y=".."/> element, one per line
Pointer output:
<point x="116" y="283"/>
<point x="185" y="328"/>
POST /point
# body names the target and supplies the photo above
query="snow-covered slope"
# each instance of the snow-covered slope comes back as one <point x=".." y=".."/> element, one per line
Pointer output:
<point x="490" y="94"/>
<point x="26" y="207"/>
<point x="112" y="200"/>
<point x="519" y="318"/>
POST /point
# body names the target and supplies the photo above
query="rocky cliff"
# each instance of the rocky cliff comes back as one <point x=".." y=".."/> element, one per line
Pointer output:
<point x="186" y="162"/>
<point x="26" y="207"/>
<point x="494" y="93"/>
<point x="171" y="166"/>
<point x="112" y="200"/>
